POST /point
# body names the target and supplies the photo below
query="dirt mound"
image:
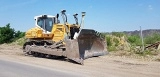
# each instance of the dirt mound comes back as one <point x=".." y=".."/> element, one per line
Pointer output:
<point x="10" y="49"/>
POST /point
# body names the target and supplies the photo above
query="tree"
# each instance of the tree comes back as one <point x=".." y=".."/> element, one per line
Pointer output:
<point x="6" y="34"/>
<point x="19" y="34"/>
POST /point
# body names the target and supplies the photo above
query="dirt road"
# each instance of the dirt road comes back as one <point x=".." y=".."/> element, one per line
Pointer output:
<point x="104" y="66"/>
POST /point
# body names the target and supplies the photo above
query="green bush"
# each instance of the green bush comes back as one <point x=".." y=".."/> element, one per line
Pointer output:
<point x="112" y="42"/>
<point x="111" y="48"/>
<point x="116" y="41"/>
<point x="108" y="39"/>
<point x="134" y="40"/>
<point x="18" y="34"/>
<point x="152" y="39"/>
<point x="8" y="34"/>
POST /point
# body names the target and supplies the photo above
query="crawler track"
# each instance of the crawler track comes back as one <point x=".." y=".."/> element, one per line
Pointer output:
<point x="45" y="48"/>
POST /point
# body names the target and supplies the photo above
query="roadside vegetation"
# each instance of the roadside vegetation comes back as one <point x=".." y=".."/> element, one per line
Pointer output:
<point x="121" y="44"/>
<point x="9" y="35"/>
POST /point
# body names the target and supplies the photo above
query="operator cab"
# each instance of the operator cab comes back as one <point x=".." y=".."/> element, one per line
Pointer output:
<point x="45" y="22"/>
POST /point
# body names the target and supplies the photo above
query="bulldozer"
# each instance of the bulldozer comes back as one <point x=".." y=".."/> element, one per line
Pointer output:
<point x="50" y="38"/>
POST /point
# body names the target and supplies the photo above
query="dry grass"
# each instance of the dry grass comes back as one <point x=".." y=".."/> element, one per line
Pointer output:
<point x="122" y="48"/>
<point x="20" y="41"/>
<point x="158" y="59"/>
<point x="154" y="56"/>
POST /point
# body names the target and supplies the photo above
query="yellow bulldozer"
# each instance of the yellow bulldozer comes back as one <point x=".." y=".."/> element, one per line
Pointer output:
<point x="51" y="38"/>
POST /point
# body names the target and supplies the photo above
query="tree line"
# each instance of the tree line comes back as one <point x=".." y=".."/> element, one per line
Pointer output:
<point x="8" y="34"/>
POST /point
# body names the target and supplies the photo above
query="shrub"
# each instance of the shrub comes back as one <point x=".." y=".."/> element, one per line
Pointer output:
<point x="112" y="48"/>
<point x="8" y="34"/>
<point x="134" y="40"/>
<point x="152" y="39"/>
<point x="115" y="40"/>
<point x="112" y="42"/>
<point x="18" y="34"/>
<point x="108" y="39"/>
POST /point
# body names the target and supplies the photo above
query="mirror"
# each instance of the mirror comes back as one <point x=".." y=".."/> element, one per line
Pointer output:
<point x="57" y="15"/>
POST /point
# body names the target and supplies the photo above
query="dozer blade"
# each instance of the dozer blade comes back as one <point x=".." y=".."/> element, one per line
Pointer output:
<point x="89" y="43"/>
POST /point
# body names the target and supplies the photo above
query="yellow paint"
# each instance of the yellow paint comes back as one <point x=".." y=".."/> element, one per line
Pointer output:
<point x="58" y="32"/>
<point x="36" y="32"/>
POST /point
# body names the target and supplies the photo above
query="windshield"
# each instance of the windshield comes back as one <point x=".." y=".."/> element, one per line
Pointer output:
<point x="45" y="23"/>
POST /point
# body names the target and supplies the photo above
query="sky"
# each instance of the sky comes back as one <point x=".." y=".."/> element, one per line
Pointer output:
<point x="101" y="15"/>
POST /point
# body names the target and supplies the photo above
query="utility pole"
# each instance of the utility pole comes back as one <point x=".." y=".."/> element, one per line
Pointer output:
<point x="142" y="39"/>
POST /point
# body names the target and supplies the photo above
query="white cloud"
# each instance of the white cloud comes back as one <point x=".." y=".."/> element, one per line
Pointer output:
<point x="91" y="6"/>
<point x="150" y="7"/>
